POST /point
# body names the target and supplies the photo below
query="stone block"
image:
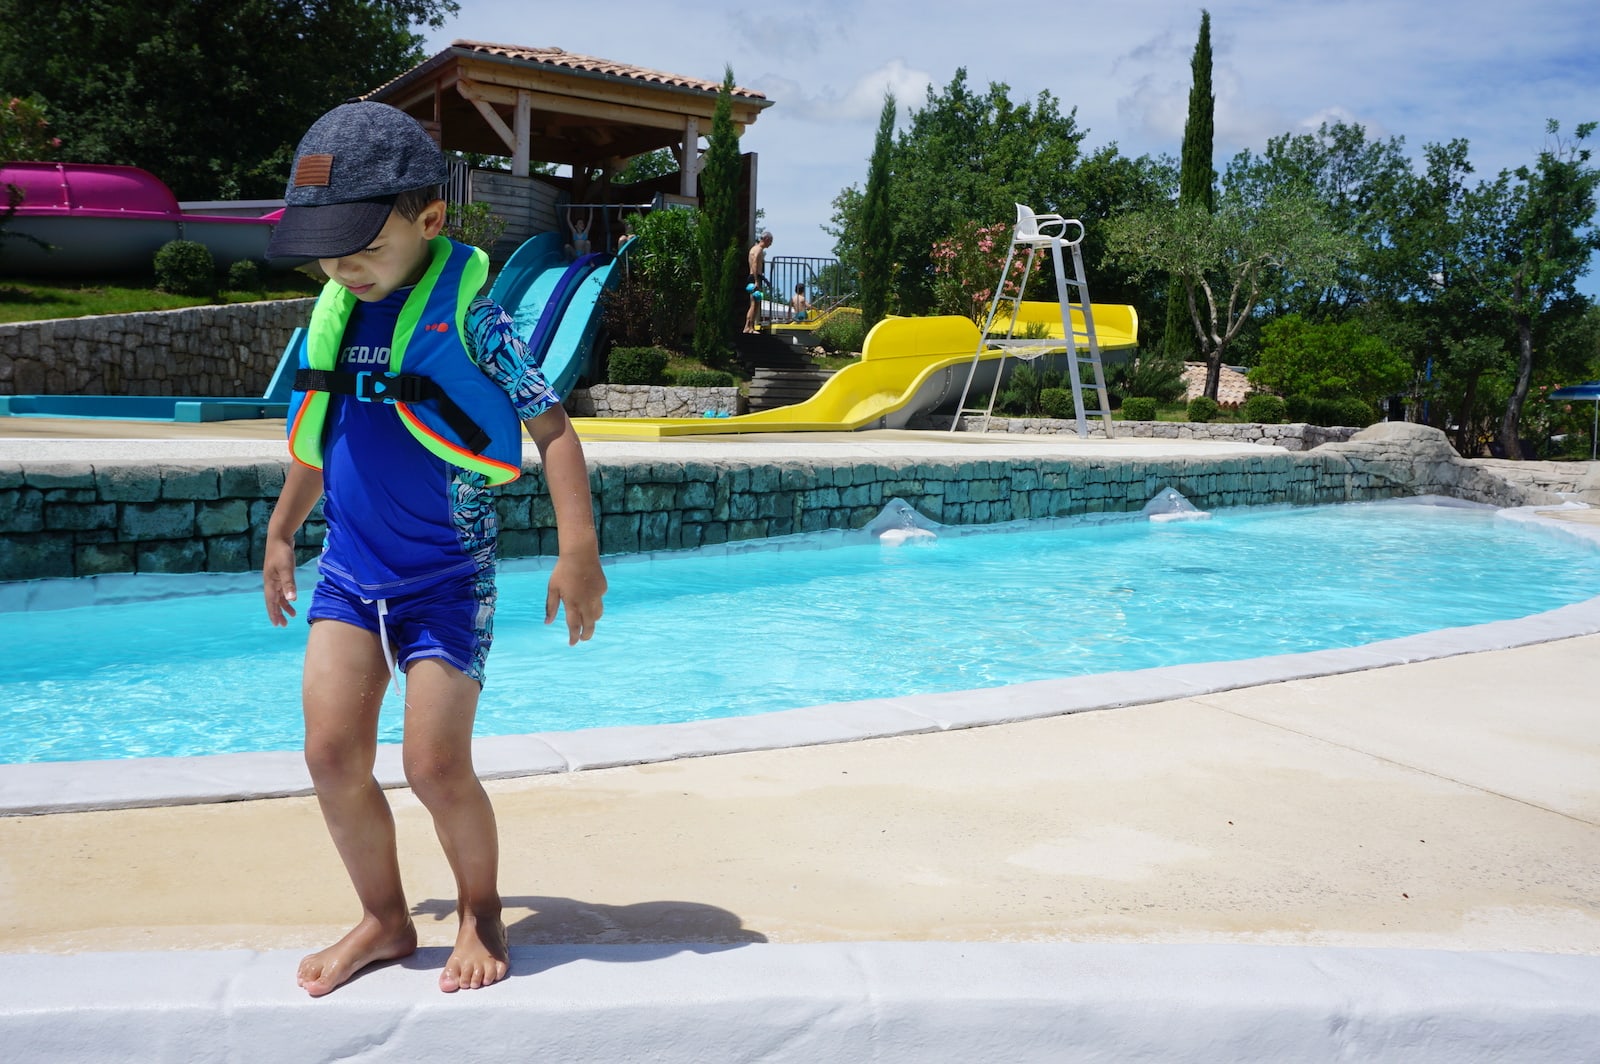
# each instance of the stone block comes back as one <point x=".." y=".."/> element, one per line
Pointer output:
<point x="619" y="533"/>
<point x="128" y="483"/>
<point x="47" y="475"/>
<point x="74" y="517"/>
<point x="157" y="521"/>
<point x="521" y="543"/>
<point x="170" y="556"/>
<point x="228" y="554"/>
<point x="222" y="517"/>
<point x="97" y="559"/>
<point x="21" y="510"/>
<point x="35" y="557"/>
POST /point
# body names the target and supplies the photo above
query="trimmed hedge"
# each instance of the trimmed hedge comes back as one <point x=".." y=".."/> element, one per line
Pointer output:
<point x="1203" y="408"/>
<point x="185" y="267"/>
<point x="703" y="378"/>
<point x="1344" y="411"/>
<point x="1262" y="408"/>
<point x="1139" y="408"/>
<point x="637" y="365"/>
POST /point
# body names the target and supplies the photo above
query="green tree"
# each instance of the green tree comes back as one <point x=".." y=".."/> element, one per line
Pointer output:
<point x="876" y="247"/>
<point x="651" y="164"/>
<point x="1197" y="177"/>
<point x="965" y="157"/>
<point x="1224" y="258"/>
<point x="1529" y="237"/>
<point x="211" y="97"/>
<point x="718" y="235"/>
<point x="1364" y="188"/>
<point x="1328" y="360"/>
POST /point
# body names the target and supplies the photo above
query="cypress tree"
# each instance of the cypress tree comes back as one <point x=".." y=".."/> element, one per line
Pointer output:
<point x="718" y="235"/>
<point x="1196" y="179"/>
<point x="876" y="253"/>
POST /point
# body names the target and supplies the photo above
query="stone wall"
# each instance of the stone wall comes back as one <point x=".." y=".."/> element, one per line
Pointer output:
<point x="653" y="400"/>
<point x="225" y="351"/>
<point x="79" y="519"/>
<point x="1294" y="437"/>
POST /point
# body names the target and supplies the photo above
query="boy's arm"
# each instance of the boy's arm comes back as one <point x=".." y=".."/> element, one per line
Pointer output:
<point x="576" y="581"/>
<point x="302" y="487"/>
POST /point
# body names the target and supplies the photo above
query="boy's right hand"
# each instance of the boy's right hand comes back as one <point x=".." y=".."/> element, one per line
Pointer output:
<point x="277" y="582"/>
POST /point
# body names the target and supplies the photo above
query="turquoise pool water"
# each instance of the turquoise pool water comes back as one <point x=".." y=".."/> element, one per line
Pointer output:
<point x="691" y="636"/>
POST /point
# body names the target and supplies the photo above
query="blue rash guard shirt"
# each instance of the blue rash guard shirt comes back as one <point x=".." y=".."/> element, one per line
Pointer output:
<point x="398" y="516"/>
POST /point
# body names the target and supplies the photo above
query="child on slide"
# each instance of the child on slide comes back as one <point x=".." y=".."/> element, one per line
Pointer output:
<point x="406" y="416"/>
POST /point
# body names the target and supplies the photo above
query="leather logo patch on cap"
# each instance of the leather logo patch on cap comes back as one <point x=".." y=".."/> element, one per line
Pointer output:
<point x="313" y="171"/>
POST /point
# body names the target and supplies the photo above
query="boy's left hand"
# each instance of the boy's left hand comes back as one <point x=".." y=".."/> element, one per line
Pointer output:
<point x="577" y="583"/>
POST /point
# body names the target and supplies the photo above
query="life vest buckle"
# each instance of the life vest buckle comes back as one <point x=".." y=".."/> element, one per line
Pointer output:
<point x="375" y="387"/>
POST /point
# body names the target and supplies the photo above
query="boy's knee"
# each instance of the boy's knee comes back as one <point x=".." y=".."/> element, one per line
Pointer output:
<point x="437" y="776"/>
<point x="331" y="761"/>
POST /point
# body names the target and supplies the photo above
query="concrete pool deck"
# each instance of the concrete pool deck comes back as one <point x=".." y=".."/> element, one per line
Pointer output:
<point x="1391" y="852"/>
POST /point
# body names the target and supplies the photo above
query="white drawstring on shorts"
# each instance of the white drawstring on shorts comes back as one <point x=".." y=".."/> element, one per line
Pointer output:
<point x="383" y="637"/>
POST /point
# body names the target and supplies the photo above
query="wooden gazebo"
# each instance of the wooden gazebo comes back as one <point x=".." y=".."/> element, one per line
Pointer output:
<point x="552" y="106"/>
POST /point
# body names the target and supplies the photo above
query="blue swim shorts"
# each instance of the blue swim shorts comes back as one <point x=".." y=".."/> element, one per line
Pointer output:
<point x="453" y="619"/>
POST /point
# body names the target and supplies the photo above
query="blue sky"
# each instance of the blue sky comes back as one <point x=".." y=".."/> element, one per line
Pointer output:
<point x="1489" y="72"/>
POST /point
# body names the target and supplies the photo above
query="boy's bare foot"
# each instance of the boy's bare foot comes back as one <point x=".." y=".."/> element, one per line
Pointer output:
<point x="368" y="942"/>
<point x="480" y="956"/>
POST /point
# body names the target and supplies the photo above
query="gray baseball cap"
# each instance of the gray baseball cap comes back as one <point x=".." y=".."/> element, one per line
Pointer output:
<point x="348" y="169"/>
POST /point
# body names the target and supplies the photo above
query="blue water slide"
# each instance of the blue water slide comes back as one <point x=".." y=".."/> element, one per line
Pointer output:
<point x="562" y="365"/>
<point x="572" y="346"/>
<point x="526" y="280"/>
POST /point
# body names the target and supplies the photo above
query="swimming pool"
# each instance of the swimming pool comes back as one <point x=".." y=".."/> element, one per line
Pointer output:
<point x="695" y="635"/>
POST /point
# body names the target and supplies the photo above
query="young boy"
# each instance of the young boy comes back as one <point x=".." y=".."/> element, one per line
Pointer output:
<point x="405" y="417"/>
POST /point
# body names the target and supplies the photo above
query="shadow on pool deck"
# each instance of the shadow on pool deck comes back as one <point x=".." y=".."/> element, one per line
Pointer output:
<point x="969" y="893"/>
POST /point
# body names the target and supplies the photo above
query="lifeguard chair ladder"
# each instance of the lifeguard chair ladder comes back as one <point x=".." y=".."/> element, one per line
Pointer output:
<point x="1035" y="232"/>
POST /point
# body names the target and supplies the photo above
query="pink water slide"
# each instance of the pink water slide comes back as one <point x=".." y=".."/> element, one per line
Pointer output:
<point x="101" y="221"/>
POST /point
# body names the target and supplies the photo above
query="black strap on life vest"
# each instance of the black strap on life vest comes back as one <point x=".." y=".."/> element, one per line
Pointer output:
<point x="393" y="388"/>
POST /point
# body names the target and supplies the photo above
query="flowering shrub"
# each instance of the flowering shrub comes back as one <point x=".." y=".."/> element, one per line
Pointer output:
<point x="966" y="268"/>
<point x="24" y="130"/>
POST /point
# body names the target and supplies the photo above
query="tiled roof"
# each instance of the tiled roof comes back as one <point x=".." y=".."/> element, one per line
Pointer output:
<point x="1232" y="387"/>
<point x="557" y="57"/>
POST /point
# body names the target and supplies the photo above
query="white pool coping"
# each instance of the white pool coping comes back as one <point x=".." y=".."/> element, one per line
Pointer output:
<point x="892" y="1003"/>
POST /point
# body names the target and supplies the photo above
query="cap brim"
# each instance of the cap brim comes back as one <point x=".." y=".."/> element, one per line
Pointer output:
<point x="328" y="232"/>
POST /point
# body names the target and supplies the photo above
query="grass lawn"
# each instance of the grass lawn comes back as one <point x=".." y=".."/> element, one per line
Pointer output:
<point x="27" y="301"/>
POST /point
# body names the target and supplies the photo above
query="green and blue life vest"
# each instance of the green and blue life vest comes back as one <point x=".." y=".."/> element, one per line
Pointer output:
<point x="439" y="393"/>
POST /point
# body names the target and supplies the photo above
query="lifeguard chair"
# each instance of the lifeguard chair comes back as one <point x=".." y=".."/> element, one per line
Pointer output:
<point x="1035" y="232"/>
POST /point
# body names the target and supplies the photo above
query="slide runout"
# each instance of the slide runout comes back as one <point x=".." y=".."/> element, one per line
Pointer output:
<point x="908" y="366"/>
<point x="903" y="360"/>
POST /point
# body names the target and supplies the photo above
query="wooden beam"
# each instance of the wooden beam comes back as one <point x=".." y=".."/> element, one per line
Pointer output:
<point x="519" y="157"/>
<point x="469" y="90"/>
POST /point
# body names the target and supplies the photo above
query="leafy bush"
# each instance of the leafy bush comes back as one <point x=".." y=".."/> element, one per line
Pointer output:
<point x="1264" y="409"/>
<point x="244" y="276"/>
<point x="703" y="378"/>
<point x="637" y="365"/>
<point x="1344" y="411"/>
<point x="1024" y="390"/>
<point x="186" y="268"/>
<point x="843" y="331"/>
<point x="1327" y="360"/>
<point x="1151" y="374"/>
<point x="1057" y="403"/>
<point x="1203" y="408"/>
<point x="1139" y="408"/>
<point x="473" y="223"/>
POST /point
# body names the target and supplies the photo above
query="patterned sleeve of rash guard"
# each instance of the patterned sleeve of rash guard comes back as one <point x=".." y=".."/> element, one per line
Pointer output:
<point x="503" y="355"/>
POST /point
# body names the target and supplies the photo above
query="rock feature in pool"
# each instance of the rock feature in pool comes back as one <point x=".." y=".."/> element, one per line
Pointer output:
<point x="899" y="523"/>
<point x="1168" y="504"/>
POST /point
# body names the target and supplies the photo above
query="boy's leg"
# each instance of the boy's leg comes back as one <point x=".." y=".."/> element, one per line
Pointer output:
<point x="345" y="677"/>
<point x="441" y="702"/>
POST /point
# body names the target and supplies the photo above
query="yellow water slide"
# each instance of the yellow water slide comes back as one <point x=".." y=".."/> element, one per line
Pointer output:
<point x="908" y="366"/>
